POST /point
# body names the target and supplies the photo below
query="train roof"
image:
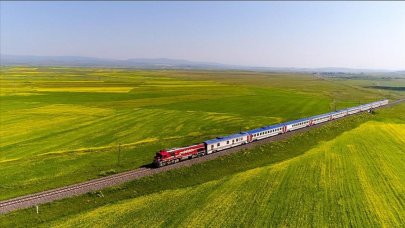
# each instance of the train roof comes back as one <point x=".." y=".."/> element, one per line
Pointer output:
<point x="265" y="128"/>
<point x="352" y="108"/>
<point x="321" y="115"/>
<point x="223" y="138"/>
<point x="297" y="121"/>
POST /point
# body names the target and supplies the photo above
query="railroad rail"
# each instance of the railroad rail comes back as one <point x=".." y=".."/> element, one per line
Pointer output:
<point x="116" y="179"/>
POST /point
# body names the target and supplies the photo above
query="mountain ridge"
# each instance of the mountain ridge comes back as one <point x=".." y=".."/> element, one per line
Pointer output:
<point x="160" y="63"/>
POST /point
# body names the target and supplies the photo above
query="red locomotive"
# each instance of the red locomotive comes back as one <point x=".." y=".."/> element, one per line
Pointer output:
<point x="166" y="157"/>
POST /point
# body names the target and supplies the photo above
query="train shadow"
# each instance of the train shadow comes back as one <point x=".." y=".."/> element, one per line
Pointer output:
<point x="148" y="166"/>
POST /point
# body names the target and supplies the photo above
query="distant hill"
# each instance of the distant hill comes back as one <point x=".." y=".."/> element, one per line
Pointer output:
<point x="159" y="63"/>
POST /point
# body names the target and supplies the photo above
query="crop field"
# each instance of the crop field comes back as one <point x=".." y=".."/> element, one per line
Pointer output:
<point x="349" y="172"/>
<point x="356" y="179"/>
<point x="60" y="126"/>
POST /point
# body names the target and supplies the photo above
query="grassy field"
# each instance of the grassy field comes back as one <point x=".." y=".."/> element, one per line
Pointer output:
<point x="347" y="180"/>
<point x="349" y="173"/>
<point x="63" y="125"/>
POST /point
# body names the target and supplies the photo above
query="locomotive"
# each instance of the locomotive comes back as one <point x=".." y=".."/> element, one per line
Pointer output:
<point x="174" y="155"/>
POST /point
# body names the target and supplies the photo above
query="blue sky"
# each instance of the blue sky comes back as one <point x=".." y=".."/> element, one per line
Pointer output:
<point x="278" y="34"/>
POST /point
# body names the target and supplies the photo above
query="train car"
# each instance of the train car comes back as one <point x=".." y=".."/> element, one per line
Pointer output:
<point x="321" y="118"/>
<point x="297" y="124"/>
<point x="265" y="132"/>
<point x="339" y="114"/>
<point x="384" y="102"/>
<point x="222" y="143"/>
<point x="365" y="107"/>
<point x="353" y="110"/>
<point x="174" y="155"/>
<point x="375" y="104"/>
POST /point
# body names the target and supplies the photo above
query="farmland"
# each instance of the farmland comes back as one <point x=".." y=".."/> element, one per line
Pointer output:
<point x="347" y="172"/>
<point x="347" y="180"/>
<point x="65" y="125"/>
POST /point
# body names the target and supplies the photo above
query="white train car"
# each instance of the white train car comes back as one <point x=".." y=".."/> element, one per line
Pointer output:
<point x="375" y="104"/>
<point x="365" y="107"/>
<point x="384" y="102"/>
<point x="321" y="118"/>
<point x="339" y="114"/>
<point x="222" y="143"/>
<point x="297" y="124"/>
<point x="353" y="110"/>
<point x="265" y="132"/>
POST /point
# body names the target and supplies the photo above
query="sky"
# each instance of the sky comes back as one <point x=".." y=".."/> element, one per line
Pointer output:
<point x="273" y="34"/>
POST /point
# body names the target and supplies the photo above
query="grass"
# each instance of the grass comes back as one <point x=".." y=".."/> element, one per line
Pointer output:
<point x="321" y="170"/>
<point x="61" y="126"/>
<point x="346" y="180"/>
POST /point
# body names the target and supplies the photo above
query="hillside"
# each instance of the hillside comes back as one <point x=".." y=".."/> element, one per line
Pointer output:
<point x="355" y="179"/>
<point x="350" y="170"/>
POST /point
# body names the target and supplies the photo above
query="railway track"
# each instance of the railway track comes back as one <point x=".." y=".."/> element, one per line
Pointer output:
<point x="68" y="191"/>
<point x="116" y="179"/>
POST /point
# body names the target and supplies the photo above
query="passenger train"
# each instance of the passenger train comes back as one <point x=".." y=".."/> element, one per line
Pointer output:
<point x="167" y="157"/>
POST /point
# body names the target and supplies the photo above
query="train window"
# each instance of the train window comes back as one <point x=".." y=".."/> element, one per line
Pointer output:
<point x="218" y="144"/>
<point x="233" y="140"/>
<point x="227" y="142"/>
<point x="236" y="140"/>
<point x="212" y="146"/>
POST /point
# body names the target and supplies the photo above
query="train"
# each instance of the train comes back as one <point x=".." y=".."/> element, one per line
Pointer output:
<point x="170" y="156"/>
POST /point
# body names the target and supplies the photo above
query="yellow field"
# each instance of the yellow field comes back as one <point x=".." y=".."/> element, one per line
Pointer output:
<point x="357" y="179"/>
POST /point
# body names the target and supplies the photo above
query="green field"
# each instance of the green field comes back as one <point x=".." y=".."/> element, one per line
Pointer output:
<point x="347" y="180"/>
<point x="346" y="173"/>
<point x="63" y="125"/>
